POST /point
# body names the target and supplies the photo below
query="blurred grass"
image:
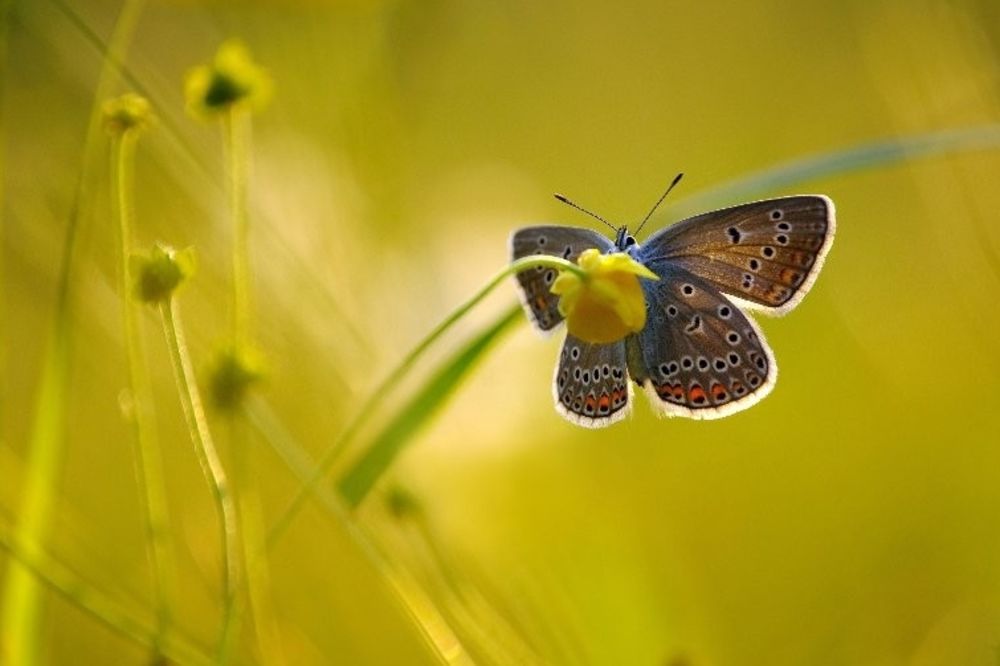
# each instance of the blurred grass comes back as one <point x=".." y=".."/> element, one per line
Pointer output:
<point x="850" y="518"/>
<point x="429" y="399"/>
<point x="103" y="609"/>
<point x="20" y="605"/>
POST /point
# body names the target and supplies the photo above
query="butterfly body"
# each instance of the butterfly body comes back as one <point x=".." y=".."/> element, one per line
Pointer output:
<point x="698" y="355"/>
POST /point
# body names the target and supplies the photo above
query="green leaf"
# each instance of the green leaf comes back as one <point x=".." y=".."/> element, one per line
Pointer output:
<point x="388" y="444"/>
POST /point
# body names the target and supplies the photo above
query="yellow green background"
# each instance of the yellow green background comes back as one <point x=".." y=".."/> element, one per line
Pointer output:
<point x="853" y="517"/>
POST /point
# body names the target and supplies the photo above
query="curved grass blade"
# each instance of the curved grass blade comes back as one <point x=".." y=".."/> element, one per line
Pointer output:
<point x="21" y="605"/>
<point x="848" y="160"/>
<point x="330" y="456"/>
<point x="361" y="477"/>
<point x="436" y="634"/>
<point x="98" y="605"/>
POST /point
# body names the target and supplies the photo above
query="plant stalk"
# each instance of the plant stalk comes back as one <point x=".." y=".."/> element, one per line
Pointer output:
<point x="21" y="604"/>
<point x="380" y="393"/>
<point x="236" y="128"/>
<point x="211" y="464"/>
<point x="149" y="461"/>
<point x="95" y="603"/>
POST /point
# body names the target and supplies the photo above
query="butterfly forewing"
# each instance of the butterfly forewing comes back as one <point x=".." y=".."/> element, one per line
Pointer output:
<point x="535" y="283"/>
<point x="591" y="386"/>
<point x="766" y="253"/>
<point x="703" y="357"/>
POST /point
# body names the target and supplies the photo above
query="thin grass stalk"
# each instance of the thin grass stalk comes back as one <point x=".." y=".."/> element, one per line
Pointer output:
<point x="21" y="616"/>
<point x="258" y="574"/>
<point x="149" y="461"/>
<point x="853" y="159"/>
<point x="381" y="392"/>
<point x="438" y="637"/>
<point x="5" y="6"/>
<point x="21" y="603"/>
<point x="490" y="633"/>
<point x="98" y="605"/>
<point x="236" y="128"/>
<point x="364" y="474"/>
<point x="237" y="135"/>
<point x="211" y="464"/>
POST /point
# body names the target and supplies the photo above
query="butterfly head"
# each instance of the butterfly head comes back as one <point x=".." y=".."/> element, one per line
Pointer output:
<point x="624" y="241"/>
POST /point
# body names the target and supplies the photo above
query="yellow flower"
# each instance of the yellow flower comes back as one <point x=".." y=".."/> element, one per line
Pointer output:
<point x="232" y="78"/>
<point x="606" y="303"/>
<point x="130" y="112"/>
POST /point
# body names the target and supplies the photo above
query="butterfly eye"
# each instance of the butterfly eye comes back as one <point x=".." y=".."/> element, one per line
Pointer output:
<point x="629" y="241"/>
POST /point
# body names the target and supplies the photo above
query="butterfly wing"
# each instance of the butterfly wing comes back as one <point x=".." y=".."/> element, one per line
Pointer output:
<point x="591" y="386"/>
<point x="698" y="356"/>
<point x="766" y="254"/>
<point x="566" y="242"/>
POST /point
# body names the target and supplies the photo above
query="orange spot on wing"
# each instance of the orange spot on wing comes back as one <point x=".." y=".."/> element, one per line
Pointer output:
<point x="789" y="276"/>
<point x="697" y="394"/>
<point x="604" y="401"/>
<point x="718" y="392"/>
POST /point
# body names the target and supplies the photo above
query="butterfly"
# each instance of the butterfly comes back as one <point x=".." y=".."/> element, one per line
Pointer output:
<point x="699" y="354"/>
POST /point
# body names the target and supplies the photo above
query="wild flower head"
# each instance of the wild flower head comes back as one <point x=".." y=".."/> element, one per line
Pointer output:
<point x="606" y="303"/>
<point x="231" y="80"/>
<point x="128" y="113"/>
<point x="161" y="271"/>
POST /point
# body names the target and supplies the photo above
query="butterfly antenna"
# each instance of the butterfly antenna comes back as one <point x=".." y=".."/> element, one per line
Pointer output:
<point x="652" y="210"/>
<point x="584" y="210"/>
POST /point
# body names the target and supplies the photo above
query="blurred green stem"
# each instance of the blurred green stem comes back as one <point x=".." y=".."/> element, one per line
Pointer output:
<point x="237" y="132"/>
<point x="850" y="160"/>
<point x="236" y="128"/>
<point x="439" y="639"/>
<point x="211" y="464"/>
<point x="258" y="575"/>
<point x="5" y="6"/>
<point x="21" y="616"/>
<point x="380" y="393"/>
<point x="355" y="484"/>
<point x="20" y="607"/>
<point x="94" y="602"/>
<point x="142" y="416"/>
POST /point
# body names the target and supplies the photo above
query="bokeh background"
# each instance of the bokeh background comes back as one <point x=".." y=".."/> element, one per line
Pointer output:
<point x="853" y="517"/>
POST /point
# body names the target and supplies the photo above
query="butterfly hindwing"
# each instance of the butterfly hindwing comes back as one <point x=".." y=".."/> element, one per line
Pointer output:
<point x="703" y="357"/>
<point x="766" y="254"/>
<point x="566" y="242"/>
<point x="591" y="386"/>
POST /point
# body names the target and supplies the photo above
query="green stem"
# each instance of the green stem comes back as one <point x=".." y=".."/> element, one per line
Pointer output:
<point x="258" y="575"/>
<point x="237" y="133"/>
<point x="94" y="602"/>
<point x="21" y="615"/>
<point x="380" y="393"/>
<point x="5" y="7"/>
<point x="211" y="463"/>
<point x="143" y="417"/>
<point x="369" y="468"/>
<point x="21" y="603"/>
<point x="236" y="125"/>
